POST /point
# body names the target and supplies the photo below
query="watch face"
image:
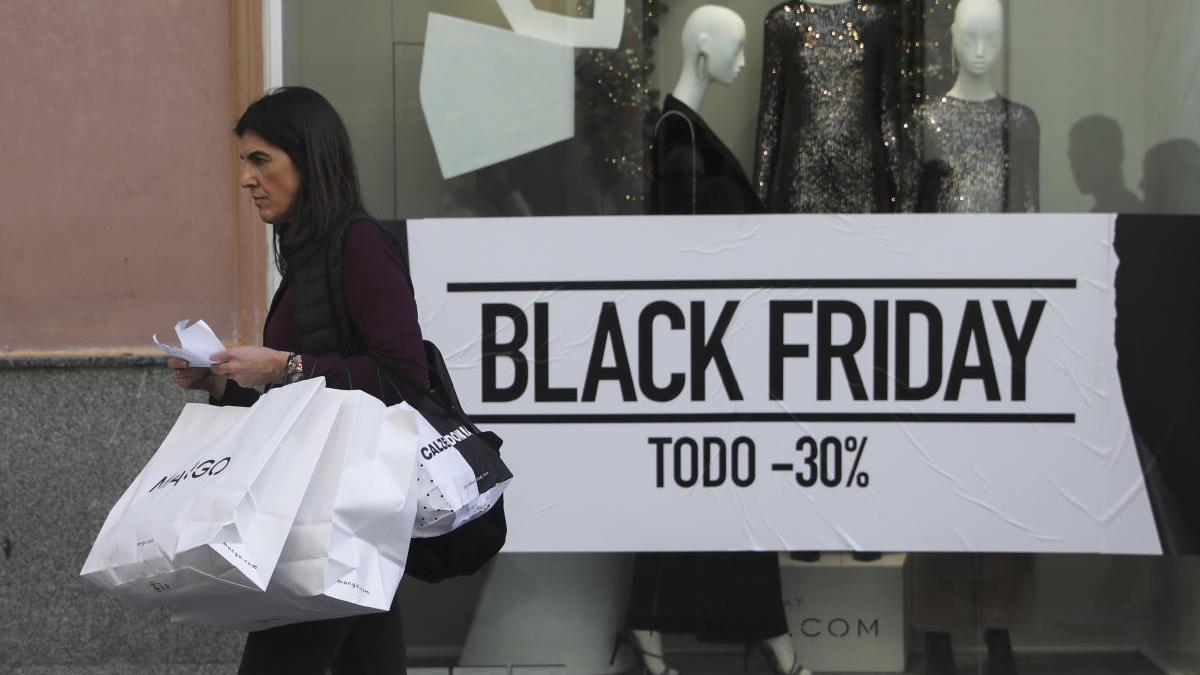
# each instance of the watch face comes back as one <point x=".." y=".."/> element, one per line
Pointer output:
<point x="294" y="370"/>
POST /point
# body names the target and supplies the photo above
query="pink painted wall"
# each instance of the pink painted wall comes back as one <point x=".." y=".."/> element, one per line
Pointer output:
<point x="117" y="176"/>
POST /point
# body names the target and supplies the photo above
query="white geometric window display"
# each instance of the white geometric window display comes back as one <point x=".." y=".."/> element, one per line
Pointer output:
<point x="490" y="95"/>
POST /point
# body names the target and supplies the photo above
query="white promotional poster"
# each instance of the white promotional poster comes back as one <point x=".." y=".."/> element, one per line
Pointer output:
<point x="879" y="383"/>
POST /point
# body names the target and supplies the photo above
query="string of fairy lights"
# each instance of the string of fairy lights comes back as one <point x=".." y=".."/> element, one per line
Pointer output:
<point x="617" y="104"/>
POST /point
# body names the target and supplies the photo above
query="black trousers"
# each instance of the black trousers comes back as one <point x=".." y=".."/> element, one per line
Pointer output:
<point x="718" y="597"/>
<point x="372" y="644"/>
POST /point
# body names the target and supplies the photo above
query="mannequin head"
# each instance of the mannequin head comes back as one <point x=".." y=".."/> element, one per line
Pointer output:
<point x="714" y="41"/>
<point x="978" y="33"/>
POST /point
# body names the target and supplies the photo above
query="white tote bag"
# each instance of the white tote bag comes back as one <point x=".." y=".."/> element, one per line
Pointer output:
<point x="348" y="545"/>
<point x="209" y="514"/>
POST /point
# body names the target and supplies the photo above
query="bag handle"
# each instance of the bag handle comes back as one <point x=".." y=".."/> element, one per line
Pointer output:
<point x="691" y="134"/>
<point x="390" y="369"/>
<point x="440" y="389"/>
<point x="440" y="386"/>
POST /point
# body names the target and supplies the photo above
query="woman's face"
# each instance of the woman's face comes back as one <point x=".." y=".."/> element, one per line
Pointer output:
<point x="270" y="177"/>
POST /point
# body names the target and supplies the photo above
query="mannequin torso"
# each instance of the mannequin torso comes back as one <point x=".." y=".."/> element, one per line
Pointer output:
<point x="975" y="157"/>
<point x="692" y="170"/>
<point x="828" y="120"/>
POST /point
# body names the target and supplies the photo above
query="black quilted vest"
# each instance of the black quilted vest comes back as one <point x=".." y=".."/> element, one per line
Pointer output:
<point x="318" y="309"/>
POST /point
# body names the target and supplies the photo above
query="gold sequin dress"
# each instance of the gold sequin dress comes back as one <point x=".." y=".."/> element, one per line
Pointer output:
<point x="828" y="116"/>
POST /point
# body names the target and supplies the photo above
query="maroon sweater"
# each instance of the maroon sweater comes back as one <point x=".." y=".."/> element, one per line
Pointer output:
<point x="383" y="314"/>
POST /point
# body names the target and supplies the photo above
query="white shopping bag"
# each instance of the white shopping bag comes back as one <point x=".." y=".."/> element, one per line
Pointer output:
<point x="459" y="475"/>
<point x="209" y="514"/>
<point x="348" y="545"/>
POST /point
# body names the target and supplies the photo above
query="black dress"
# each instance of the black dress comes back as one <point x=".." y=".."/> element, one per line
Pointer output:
<point x="718" y="597"/>
<point x="829" y="111"/>
<point x="971" y="157"/>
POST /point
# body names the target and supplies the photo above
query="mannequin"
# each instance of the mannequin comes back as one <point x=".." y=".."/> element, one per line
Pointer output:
<point x="692" y="171"/>
<point x="972" y="150"/>
<point x="719" y="597"/>
<point x="829" y="109"/>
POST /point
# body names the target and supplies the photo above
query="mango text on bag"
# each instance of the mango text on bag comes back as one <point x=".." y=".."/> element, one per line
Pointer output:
<point x="208" y="467"/>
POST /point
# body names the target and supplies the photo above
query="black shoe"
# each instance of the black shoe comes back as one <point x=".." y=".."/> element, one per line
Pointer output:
<point x="866" y="556"/>
<point x="939" y="654"/>
<point x="805" y="556"/>
<point x="626" y="638"/>
<point x="764" y="650"/>
<point x="1001" y="660"/>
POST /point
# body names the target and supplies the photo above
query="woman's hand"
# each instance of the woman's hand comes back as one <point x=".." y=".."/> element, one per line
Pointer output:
<point x="251" y="366"/>
<point x="202" y="379"/>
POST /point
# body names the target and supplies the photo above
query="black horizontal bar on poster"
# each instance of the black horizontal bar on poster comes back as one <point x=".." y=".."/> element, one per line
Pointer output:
<point x="884" y="417"/>
<point x="754" y="284"/>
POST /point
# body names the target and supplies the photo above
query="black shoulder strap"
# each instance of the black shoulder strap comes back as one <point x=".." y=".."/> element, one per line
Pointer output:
<point x="348" y="342"/>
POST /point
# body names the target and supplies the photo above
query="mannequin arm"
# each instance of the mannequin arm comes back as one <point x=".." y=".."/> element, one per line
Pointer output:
<point x="889" y="101"/>
<point x="602" y="31"/>
<point x="1026" y="154"/>
<point x="770" y="106"/>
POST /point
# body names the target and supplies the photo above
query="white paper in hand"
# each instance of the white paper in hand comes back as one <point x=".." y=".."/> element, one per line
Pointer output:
<point x="197" y="344"/>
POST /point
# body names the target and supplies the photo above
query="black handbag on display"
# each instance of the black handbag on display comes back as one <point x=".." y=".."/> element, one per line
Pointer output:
<point x="465" y="550"/>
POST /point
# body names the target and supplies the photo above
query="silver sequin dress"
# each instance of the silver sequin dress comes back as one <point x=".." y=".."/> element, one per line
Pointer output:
<point x="971" y="157"/>
<point x="828" y="115"/>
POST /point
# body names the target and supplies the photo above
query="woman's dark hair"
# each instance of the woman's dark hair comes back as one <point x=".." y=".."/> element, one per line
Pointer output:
<point x="304" y="125"/>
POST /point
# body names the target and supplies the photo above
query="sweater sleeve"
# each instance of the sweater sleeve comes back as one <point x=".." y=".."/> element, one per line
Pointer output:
<point x="383" y="314"/>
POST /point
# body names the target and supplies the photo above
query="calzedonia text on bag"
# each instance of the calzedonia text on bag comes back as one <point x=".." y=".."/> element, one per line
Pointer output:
<point x="446" y="442"/>
<point x="207" y="467"/>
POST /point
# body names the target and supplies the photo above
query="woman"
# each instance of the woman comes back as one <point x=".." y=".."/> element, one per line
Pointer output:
<point x="297" y="165"/>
